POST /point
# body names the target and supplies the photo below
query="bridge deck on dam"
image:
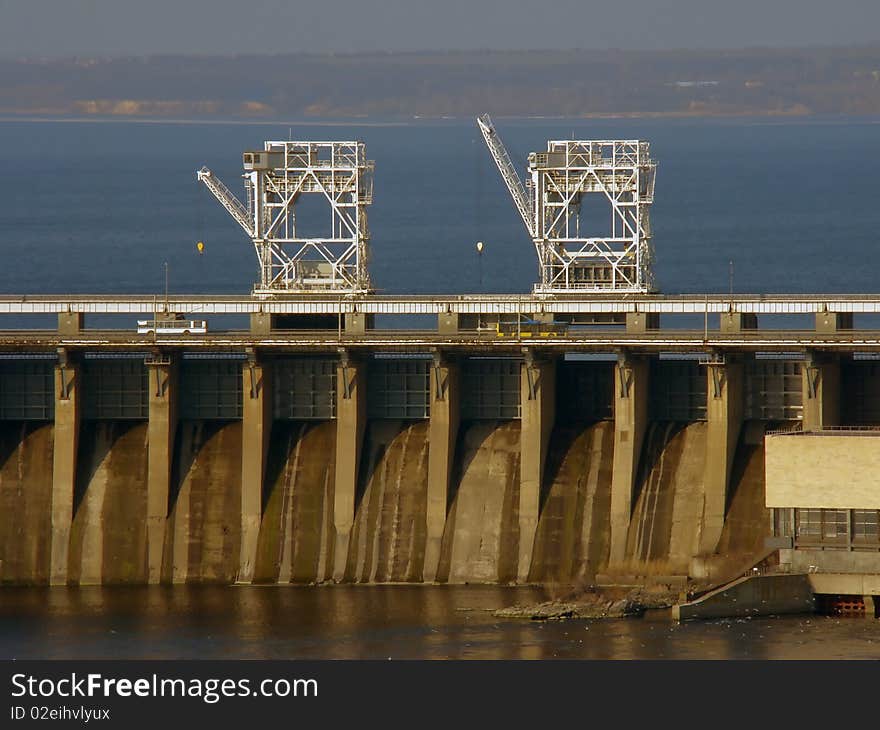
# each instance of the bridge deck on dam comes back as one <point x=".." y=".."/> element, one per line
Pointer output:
<point x="492" y="323"/>
<point x="439" y="304"/>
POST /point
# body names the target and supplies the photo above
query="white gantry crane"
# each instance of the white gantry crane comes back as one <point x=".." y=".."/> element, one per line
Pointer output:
<point x="570" y="257"/>
<point x="326" y="249"/>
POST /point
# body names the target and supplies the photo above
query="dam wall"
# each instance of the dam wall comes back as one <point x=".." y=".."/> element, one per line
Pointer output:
<point x="108" y="536"/>
<point x="667" y="518"/>
<point x="296" y="540"/>
<point x="26" y="449"/>
<point x="390" y="527"/>
<point x="203" y="529"/>
<point x="481" y="540"/>
<point x="573" y="537"/>
<point x="392" y="467"/>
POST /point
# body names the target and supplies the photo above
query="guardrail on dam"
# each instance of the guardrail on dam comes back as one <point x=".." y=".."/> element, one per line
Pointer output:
<point x="452" y="455"/>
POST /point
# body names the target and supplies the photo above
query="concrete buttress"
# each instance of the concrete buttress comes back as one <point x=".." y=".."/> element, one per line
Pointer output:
<point x="162" y="427"/>
<point x="351" y="421"/>
<point x="724" y="413"/>
<point x="538" y="393"/>
<point x="821" y="391"/>
<point x="256" y="429"/>
<point x="630" y="422"/>
<point x="67" y="417"/>
<point x="442" y="436"/>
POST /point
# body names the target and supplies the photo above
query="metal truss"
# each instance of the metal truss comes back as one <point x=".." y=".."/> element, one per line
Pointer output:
<point x="576" y="255"/>
<point x="619" y="259"/>
<point x="275" y="180"/>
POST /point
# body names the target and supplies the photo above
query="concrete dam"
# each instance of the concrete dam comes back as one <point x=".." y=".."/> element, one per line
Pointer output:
<point x="382" y="468"/>
<point x="561" y="437"/>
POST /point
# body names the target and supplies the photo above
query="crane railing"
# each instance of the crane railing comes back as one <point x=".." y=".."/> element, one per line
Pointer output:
<point x="508" y="172"/>
<point x="227" y="199"/>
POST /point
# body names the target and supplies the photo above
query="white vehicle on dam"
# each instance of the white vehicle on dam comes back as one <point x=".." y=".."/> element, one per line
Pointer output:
<point x="177" y="326"/>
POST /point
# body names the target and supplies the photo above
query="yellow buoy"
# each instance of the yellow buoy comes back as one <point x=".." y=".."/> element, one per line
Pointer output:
<point x="201" y="247"/>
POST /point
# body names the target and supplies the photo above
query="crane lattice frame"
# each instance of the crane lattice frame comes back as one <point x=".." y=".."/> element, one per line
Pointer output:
<point x="571" y="260"/>
<point x="275" y="179"/>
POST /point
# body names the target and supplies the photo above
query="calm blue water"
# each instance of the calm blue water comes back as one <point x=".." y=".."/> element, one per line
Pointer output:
<point x="97" y="207"/>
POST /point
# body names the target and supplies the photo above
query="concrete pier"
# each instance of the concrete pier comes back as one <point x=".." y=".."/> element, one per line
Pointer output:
<point x="70" y="323"/>
<point x="358" y="323"/>
<point x="631" y="375"/>
<point x="67" y="420"/>
<point x="447" y="323"/>
<point x="255" y="432"/>
<point x="442" y="437"/>
<point x="261" y="323"/>
<point x="163" y="394"/>
<point x="351" y="421"/>
<point x="724" y="412"/>
<point x="642" y="322"/>
<point x="538" y="389"/>
<point x="821" y="384"/>
<point x="733" y="322"/>
<point x="831" y="322"/>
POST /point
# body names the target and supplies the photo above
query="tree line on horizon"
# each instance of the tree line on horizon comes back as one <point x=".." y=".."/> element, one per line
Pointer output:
<point x="387" y="85"/>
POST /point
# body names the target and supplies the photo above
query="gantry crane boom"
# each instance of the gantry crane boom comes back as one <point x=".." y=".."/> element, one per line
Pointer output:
<point x="508" y="173"/>
<point x="227" y="199"/>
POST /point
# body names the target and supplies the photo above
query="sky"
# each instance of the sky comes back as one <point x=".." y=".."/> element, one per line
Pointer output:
<point x="64" y="28"/>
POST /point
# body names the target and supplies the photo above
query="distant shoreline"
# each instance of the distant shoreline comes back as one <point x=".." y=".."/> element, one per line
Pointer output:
<point x="799" y="118"/>
<point x="322" y="90"/>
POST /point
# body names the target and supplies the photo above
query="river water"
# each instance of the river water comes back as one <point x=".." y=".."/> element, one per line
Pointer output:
<point x="382" y="622"/>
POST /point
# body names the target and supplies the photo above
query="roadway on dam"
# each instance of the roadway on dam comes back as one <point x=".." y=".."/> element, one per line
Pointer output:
<point x="587" y="340"/>
<point x="439" y="304"/>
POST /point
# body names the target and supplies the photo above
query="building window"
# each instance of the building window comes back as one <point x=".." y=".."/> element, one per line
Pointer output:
<point x="835" y="525"/>
<point x="808" y="524"/>
<point x="783" y="522"/>
<point x="865" y="526"/>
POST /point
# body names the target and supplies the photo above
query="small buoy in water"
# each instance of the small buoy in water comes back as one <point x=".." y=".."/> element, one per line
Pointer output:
<point x="479" y="247"/>
<point x="201" y="247"/>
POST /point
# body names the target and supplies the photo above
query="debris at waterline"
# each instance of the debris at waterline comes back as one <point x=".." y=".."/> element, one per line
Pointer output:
<point x="592" y="605"/>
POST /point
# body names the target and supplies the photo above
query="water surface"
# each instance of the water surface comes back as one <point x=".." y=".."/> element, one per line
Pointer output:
<point x="381" y="622"/>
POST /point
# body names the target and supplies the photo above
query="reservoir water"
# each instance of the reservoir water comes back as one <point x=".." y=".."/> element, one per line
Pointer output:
<point x="98" y="207"/>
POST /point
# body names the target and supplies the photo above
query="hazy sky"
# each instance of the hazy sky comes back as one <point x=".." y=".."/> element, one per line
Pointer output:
<point x="137" y="27"/>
